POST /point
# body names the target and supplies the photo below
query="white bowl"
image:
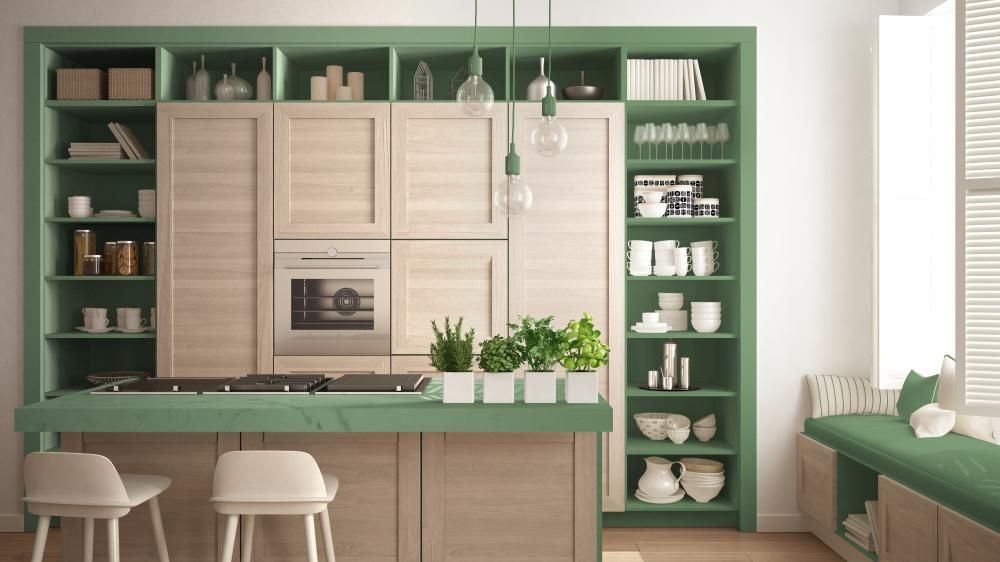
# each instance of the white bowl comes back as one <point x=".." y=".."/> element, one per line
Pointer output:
<point x="650" y="196"/>
<point x="695" y="464"/>
<point x="678" y="436"/>
<point x="146" y="214"/>
<point x="81" y="213"/>
<point x="702" y="494"/>
<point x="707" y="421"/>
<point x="652" y="424"/>
<point x="652" y="209"/>
<point x="704" y="326"/>
<point x="707" y="304"/>
<point x="704" y="433"/>
<point x="664" y="270"/>
<point x="678" y="421"/>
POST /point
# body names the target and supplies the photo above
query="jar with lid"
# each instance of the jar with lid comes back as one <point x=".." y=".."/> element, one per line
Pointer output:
<point x="127" y="262"/>
<point x="110" y="257"/>
<point x="148" y="262"/>
<point x="92" y="264"/>
<point x="84" y="244"/>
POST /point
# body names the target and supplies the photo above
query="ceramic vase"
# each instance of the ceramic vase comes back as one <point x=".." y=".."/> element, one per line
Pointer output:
<point x="191" y="89"/>
<point x="202" y="83"/>
<point x="459" y="388"/>
<point x="224" y="90"/>
<point x="498" y="388"/>
<point x="536" y="88"/>
<point x="263" y="81"/>
<point x="659" y="481"/>
<point x="540" y="387"/>
<point x="242" y="90"/>
<point x="581" y="387"/>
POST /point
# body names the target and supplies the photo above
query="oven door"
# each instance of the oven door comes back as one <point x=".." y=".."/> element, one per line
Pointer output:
<point x="331" y="310"/>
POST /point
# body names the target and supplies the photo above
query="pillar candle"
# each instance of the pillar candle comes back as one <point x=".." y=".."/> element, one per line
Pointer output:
<point x="334" y="80"/>
<point x="317" y="88"/>
<point x="356" y="80"/>
<point x="343" y="93"/>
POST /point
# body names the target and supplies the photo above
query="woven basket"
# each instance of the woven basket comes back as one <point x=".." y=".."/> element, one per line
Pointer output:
<point x="81" y="84"/>
<point x="130" y="83"/>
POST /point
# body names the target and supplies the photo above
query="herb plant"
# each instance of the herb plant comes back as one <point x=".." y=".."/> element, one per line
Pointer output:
<point x="584" y="350"/>
<point x="543" y="345"/>
<point x="500" y="354"/>
<point x="452" y="350"/>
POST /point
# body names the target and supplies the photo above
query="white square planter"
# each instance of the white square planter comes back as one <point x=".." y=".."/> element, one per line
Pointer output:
<point x="459" y="388"/>
<point x="581" y="387"/>
<point x="540" y="387"/>
<point x="498" y="388"/>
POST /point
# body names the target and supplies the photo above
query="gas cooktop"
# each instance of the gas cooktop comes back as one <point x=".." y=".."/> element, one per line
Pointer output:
<point x="269" y="384"/>
<point x="177" y="385"/>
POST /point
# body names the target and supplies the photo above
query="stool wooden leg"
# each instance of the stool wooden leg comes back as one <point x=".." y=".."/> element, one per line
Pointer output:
<point x="246" y="552"/>
<point x="41" y="533"/>
<point x="88" y="539"/>
<point x="311" y="554"/>
<point x="113" y="552"/>
<point x="229" y="541"/>
<point x="324" y="519"/>
<point x="161" y="539"/>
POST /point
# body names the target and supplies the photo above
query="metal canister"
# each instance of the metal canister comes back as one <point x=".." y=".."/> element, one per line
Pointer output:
<point x="670" y="363"/>
<point x="92" y="264"/>
<point x="148" y="262"/>
<point x="84" y="244"/>
<point x="653" y="378"/>
<point x="685" y="381"/>
<point x="127" y="262"/>
<point x="110" y="257"/>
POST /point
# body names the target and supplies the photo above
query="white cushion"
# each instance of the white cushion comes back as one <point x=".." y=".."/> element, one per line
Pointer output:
<point x="978" y="427"/>
<point x="835" y="396"/>
<point x="932" y="421"/>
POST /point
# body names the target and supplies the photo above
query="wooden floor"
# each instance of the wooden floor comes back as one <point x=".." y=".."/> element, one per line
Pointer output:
<point x="620" y="545"/>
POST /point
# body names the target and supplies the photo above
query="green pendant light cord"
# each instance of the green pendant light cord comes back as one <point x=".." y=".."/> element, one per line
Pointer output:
<point x="513" y="161"/>
<point x="475" y="61"/>
<point x="549" y="101"/>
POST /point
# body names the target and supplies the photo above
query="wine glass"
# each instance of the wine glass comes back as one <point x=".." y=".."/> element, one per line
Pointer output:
<point x="713" y="137"/>
<point x="701" y="135"/>
<point x="639" y="137"/>
<point x="722" y="130"/>
<point x="657" y="139"/>
<point x="669" y="134"/>
<point x="685" y="134"/>
<point x="650" y="136"/>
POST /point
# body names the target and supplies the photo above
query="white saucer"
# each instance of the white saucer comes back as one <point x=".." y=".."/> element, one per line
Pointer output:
<point x="647" y="329"/>
<point x="94" y="330"/>
<point x="114" y="213"/>
<point x="131" y="330"/>
<point x="678" y="496"/>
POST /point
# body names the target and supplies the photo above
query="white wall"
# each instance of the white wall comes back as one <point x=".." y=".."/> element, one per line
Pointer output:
<point x="814" y="175"/>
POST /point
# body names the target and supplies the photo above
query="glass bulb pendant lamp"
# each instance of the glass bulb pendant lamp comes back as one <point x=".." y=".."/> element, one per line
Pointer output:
<point x="512" y="196"/>
<point x="475" y="96"/>
<point x="549" y="137"/>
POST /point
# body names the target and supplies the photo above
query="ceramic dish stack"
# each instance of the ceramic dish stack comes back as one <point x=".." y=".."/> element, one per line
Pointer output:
<point x="659" y="484"/>
<point x="663" y="251"/>
<point x="706" y="317"/>
<point x="651" y="324"/>
<point x="705" y="428"/>
<point x="79" y="206"/>
<point x="703" y="479"/>
<point x="147" y="203"/>
<point x="670" y="310"/>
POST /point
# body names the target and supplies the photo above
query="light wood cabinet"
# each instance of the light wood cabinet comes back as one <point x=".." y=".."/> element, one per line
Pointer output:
<point x="482" y="490"/>
<point x="444" y="167"/>
<point x="817" y="482"/>
<point x="961" y="539"/>
<point x="331" y="170"/>
<point x="413" y="365"/>
<point x="432" y="279"/>
<point x="566" y="254"/>
<point x="214" y="239"/>
<point x="908" y="524"/>
<point x="332" y="365"/>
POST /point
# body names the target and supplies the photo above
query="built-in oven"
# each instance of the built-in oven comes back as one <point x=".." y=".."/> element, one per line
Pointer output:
<point x="331" y="297"/>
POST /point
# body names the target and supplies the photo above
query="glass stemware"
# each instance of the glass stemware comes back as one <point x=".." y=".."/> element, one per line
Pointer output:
<point x="661" y="138"/>
<point x="685" y="134"/>
<point x="723" y="132"/>
<point x="650" y="137"/>
<point x="713" y="137"/>
<point x="639" y="137"/>
<point x="670" y="137"/>
<point x="701" y="135"/>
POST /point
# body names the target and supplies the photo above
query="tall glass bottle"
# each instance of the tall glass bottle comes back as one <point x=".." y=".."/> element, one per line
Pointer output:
<point x="263" y="81"/>
<point x="202" y="82"/>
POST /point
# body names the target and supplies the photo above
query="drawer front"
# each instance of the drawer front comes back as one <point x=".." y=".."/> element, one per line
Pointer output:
<point x="817" y="486"/>
<point x="908" y="524"/>
<point x="332" y="365"/>
<point x="961" y="539"/>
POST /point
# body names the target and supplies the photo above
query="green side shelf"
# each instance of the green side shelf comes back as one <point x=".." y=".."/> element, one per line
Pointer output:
<point x="686" y="504"/>
<point x="100" y="278"/>
<point x="704" y="392"/>
<point x="682" y="278"/>
<point x="665" y="221"/>
<point x="681" y="336"/>
<point x="107" y="336"/>
<point x="105" y="110"/>
<point x="104" y="166"/>
<point x="692" y="447"/>
<point x="100" y="220"/>
<point x="668" y="165"/>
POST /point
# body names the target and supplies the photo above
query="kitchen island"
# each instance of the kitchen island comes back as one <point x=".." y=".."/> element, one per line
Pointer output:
<point x="419" y="479"/>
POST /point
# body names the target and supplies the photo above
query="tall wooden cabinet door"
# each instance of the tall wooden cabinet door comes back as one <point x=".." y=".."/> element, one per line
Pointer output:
<point x="432" y="279"/>
<point x="817" y="482"/>
<point x="332" y="365"/>
<point x="413" y="365"/>
<point x="908" y="524"/>
<point x="331" y="170"/>
<point x="566" y="254"/>
<point x="444" y="167"/>
<point x="961" y="539"/>
<point x="214" y="238"/>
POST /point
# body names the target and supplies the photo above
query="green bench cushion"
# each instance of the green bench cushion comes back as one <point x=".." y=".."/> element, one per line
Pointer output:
<point x="956" y="471"/>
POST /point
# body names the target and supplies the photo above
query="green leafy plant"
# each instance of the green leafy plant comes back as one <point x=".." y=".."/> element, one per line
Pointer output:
<point x="543" y="345"/>
<point x="584" y="350"/>
<point x="500" y="354"/>
<point x="452" y="350"/>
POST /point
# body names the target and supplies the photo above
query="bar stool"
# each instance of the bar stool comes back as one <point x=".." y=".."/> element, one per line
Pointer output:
<point x="89" y="487"/>
<point x="251" y="483"/>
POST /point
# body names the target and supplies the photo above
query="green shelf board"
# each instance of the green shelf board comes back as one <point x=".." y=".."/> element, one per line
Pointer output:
<point x="673" y="221"/>
<point x="57" y="392"/>
<point x="657" y="111"/>
<point x="681" y="104"/>
<point x="635" y="165"/>
<point x="686" y="504"/>
<point x="104" y="166"/>
<point x="691" y="447"/>
<point x="681" y="336"/>
<point x="704" y="392"/>
<point x="681" y="278"/>
<point x="97" y="278"/>
<point x="107" y="336"/>
<point x="103" y="110"/>
<point x="101" y="220"/>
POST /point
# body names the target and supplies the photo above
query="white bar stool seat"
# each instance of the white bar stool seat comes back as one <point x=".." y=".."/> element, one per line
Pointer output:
<point x="251" y="483"/>
<point x="89" y="487"/>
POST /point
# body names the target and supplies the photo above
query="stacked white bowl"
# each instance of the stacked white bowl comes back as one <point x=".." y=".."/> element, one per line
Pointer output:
<point x="703" y="479"/>
<point x="706" y="317"/>
<point x="704" y="429"/>
<point x="663" y="250"/>
<point x="678" y="428"/>
<point x="79" y="206"/>
<point x="147" y="203"/>
<point x="640" y="258"/>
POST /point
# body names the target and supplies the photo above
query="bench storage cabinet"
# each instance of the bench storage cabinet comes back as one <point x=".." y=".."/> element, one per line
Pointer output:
<point x="817" y="476"/>
<point x="907" y="524"/>
<point x="961" y="539"/>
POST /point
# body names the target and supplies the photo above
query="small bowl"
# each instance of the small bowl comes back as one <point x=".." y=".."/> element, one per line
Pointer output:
<point x="694" y="464"/>
<point x="707" y="421"/>
<point x="705" y="326"/>
<point x="678" y="421"/>
<point x="651" y="196"/>
<point x="704" y="433"/>
<point x="652" y="210"/>
<point x="583" y="92"/>
<point x="702" y="494"/>
<point x="678" y="436"/>
<point x="652" y="424"/>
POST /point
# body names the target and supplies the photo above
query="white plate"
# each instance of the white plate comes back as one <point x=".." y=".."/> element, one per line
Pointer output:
<point x="131" y="330"/>
<point x="639" y="330"/>
<point x="94" y="330"/>
<point x="639" y="495"/>
<point x="115" y="213"/>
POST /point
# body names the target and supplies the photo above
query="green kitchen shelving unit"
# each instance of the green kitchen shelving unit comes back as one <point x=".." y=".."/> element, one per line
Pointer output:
<point x="57" y="358"/>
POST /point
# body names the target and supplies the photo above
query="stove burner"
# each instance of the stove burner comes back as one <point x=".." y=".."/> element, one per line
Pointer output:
<point x="346" y="301"/>
<point x="272" y="384"/>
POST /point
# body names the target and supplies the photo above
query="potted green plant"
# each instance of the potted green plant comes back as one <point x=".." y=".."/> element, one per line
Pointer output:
<point x="499" y="357"/>
<point x="543" y="346"/>
<point x="584" y="354"/>
<point x="451" y="354"/>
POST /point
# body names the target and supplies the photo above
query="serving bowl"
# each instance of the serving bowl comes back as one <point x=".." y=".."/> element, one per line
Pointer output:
<point x="678" y="436"/>
<point x="707" y="421"/>
<point x="652" y="424"/>
<point x="704" y="433"/>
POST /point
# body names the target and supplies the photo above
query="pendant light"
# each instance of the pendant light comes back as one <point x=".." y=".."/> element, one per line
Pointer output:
<point x="512" y="196"/>
<point x="475" y="96"/>
<point x="549" y="137"/>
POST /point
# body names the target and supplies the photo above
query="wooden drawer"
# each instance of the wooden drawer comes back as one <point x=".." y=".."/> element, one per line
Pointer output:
<point x="908" y="524"/>
<point x="817" y="476"/>
<point x="332" y="365"/>
<point x="961" y="539"/>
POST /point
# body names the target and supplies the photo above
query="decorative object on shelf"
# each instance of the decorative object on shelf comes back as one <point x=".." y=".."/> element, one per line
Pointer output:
<point x="664" y="79"/>
<point x="499" y="357"/>
<point x="93" y="264"/>
<point x="317" y="88"/>
<point x="679" y="201"/>
<point x="583" y="91"/>
<point x="706" y="207"/>
<point x="706" y="317"/>
<point x="202" y="83"/>
<point x="224" y="91"/>
<point x="653" y="425"/>
<point x="108" y="266"/>
<point x="658" y="483"/>
<point x="81" y="84"/>
<point x="475" y="96"/>
<point x="128" y="141"/>
<point x="148" y="259"/>
<point x="147" y="203"/>
<point x="585" y="353"/>
<point x="536" y="88"/>
<point x="669" y="363"/>
<point x="705" y="428"/>
<point x="684" y="382"/>
<point x="652" y="379"/>
<point x="703" y="479"/>
<point x="189" y="85"/>
<point x="263" y="81"/>
<point x="457" y="80"/>
<point x="242" y="90"/>
<point x="696" y="181"/>
<point x="78" y="206"/>
<point x="112" y="377"/>
<point x="344" y="94"/>
<point x="96" y="151"/>
<point x="423" y="82"/>
<point x="451" y="354"/>
<point x="356" y="80"/>
<point x="127" y="260"/>
<point x="334" y="80"/>
<point x="543" y="347"/>
<point x="512" y="196"/>
<point x="84" y="244"/>
<point x="130" y="83"/>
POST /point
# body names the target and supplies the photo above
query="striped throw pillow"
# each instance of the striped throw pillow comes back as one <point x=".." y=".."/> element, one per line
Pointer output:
<point x="836" y="396"/>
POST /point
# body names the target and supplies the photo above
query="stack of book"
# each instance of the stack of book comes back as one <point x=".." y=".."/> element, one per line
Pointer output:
<point x="96" y="151"/>
<point x="129" y="142"/>
<point x="665" y="79"/>
<point x="862" y="528"/>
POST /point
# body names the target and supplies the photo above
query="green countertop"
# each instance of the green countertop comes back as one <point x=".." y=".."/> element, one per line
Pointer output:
<point x="83" y="412"/>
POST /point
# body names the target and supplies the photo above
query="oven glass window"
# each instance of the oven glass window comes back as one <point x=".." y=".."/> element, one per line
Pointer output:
<point x="333" y="304"/>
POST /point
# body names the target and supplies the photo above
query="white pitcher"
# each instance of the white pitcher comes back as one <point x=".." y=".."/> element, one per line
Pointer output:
<point x="659" y="481"/>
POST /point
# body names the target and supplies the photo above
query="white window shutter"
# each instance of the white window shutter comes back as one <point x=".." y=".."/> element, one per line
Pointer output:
<point x="978" y="206"/>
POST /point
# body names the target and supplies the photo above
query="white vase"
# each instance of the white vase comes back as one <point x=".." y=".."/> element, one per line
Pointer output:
<point x="459" y="388"/>
<point x="498" y="388"/>
<point x="581" y="387"/>
<point x="540" y="387"/>
<point x="659" y="481"/>
<point x="263" y="81"/>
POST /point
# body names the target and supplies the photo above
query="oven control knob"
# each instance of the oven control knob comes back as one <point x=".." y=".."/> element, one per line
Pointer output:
<point x="332" y="252"/>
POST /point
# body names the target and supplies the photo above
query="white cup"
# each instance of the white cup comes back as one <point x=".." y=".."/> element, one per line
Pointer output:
<point x="95" y="318"/>
<point x="661" y="245"/>
<point x="713" y="244"/>
<point x="639" y="270"/>
<point x="152" y="318"/>
<point x="681" y="261"/>
<point x="650" y="317"/>
<point x="120" y="316"/>
<point x="664" y="270"/>
<point x="640" y="245"/>
<point x="704" y="268"/>
<point x="701" y="252"/>
<point x="133" y="319"/>
<point x="640" y="256"/>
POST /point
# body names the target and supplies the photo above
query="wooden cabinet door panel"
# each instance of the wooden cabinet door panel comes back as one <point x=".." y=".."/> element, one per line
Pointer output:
<point x="907" y="522"/>
<point x="413" y="365"/>
<point x="457" y="278"/>
<point x="444" y="167"/>
<point x="331" y="170"/>
<point x="817" y="482"/>
<point x="214" y="238"/>
<point x="961" y="539"/>
<point x="332" y="365"/>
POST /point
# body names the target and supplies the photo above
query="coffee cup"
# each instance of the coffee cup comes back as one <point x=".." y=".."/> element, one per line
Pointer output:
<point x="133" y="319"/>
<point x="713" y="244"/>
<point x="640" y="245"/>
<point x="650" y="317"/>
<point x="95" y="318"/>
<point x="704" y="268"/>
<point x="661" y="245"/>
